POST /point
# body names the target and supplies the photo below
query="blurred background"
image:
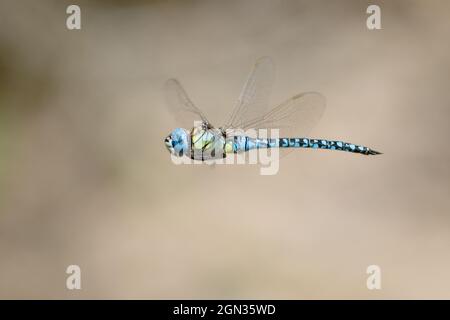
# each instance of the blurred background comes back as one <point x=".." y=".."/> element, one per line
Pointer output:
<point x="85" y="178"/>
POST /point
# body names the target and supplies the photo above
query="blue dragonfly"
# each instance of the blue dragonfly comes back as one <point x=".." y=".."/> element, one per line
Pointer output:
<point x="295" y="116"/>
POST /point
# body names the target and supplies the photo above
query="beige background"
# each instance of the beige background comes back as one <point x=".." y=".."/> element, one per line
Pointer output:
<point x="85" y="178"/>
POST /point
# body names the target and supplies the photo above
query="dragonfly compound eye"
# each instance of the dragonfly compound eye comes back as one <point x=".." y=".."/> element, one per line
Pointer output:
<point x="180" y="142"/>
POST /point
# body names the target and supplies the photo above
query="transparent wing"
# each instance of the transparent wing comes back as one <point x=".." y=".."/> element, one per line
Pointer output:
<point x="294" y="117"/>
<point x="179" y="104"/>
<point x="297" y="115"/>
<point x="253" y="100"/>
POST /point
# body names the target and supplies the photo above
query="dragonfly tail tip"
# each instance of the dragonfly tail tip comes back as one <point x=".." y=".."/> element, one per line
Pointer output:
<point x="373" y="152"/>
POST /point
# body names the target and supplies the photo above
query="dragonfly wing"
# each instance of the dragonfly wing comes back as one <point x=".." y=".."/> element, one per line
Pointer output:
<point x="294" y="117"/>
<point x="297" y="115"/>
<point x="253" y="100"/>
<point x="179" y="104"/>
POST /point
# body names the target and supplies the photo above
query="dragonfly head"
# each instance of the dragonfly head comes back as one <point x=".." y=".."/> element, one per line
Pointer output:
<point x="178" y="142"/>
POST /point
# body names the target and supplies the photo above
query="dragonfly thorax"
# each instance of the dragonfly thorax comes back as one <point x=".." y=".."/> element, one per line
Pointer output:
<point x="207" y="143"/>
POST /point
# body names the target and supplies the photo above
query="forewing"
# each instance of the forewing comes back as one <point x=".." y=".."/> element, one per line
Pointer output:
<point x="254" y="97"/>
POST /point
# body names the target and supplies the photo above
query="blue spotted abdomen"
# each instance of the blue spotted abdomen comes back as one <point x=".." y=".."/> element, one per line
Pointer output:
<point x="243" y="143"/>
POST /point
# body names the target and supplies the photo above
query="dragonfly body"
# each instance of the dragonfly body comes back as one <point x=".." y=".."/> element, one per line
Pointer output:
<point x="206" y="142"/>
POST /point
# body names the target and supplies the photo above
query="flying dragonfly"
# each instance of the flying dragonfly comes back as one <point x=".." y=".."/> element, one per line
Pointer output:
<point x="295" y="117"/>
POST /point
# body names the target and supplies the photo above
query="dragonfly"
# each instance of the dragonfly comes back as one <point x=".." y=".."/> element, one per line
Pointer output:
<point x="295" y="117"/>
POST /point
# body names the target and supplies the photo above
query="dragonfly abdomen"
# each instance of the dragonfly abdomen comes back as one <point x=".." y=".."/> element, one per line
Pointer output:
<point x="244" y="143"/>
